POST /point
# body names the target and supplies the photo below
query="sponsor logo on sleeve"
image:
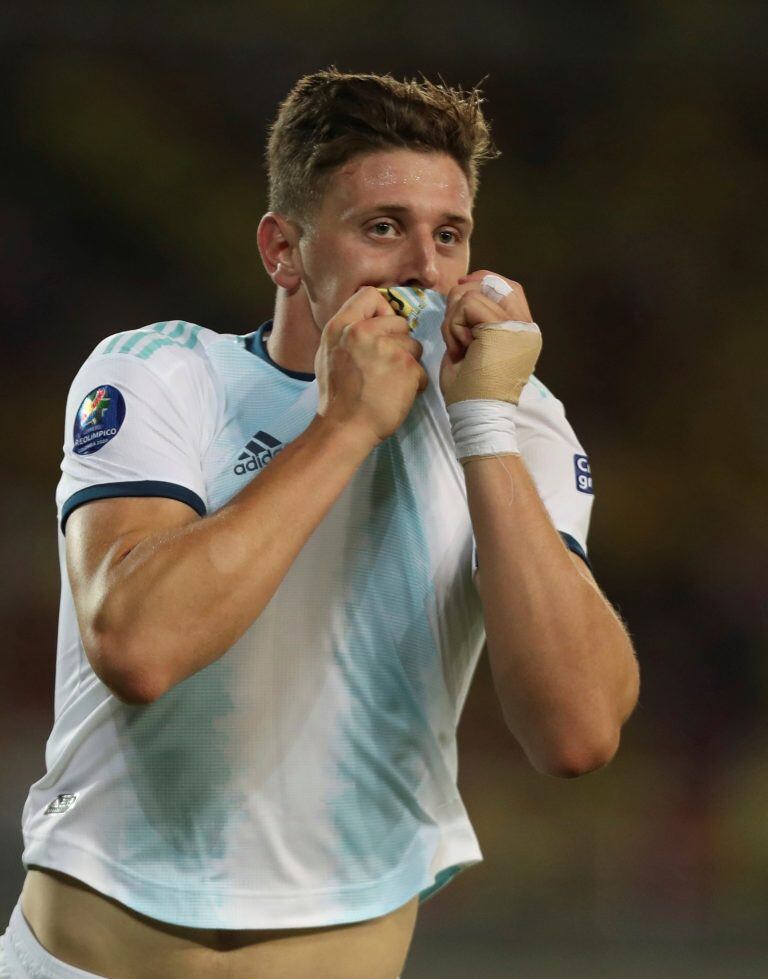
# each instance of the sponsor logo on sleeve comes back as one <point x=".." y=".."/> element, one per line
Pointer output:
<point x="99" y="417"/>
<point x="583" y="474"/>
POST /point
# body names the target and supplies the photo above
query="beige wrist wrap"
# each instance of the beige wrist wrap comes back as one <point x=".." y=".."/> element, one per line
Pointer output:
<point x="497" y="364"/>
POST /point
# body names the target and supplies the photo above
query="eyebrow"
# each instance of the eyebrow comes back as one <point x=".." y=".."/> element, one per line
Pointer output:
<point x="389" y="208"/>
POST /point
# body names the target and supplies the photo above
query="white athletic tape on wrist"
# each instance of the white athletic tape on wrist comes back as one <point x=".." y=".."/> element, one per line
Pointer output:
<point x="483" y="428"/>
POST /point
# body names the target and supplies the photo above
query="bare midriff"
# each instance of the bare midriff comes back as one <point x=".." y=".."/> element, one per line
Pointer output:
<point x="86" y="929"/>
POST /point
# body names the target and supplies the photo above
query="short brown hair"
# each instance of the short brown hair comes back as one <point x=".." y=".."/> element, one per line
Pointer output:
<point x="331" y="116"/>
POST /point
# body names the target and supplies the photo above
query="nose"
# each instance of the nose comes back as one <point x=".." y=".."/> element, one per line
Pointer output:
<point x="419" y="267"/>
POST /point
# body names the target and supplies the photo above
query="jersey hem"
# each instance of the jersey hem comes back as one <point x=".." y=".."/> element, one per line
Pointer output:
<point x="141" y="487"/>
<point x="253" y="911"/>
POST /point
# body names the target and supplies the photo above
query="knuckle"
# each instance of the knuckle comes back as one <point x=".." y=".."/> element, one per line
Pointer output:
<point x="349" y="333"/>
<point x="361" y="329"/>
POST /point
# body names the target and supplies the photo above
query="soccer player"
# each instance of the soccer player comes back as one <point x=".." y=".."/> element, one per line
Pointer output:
<point x="281" y="554"/>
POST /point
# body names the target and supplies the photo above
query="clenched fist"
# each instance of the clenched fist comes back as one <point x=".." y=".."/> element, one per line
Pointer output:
<point x="492" y="345"/>
<point x="367" y="366"/>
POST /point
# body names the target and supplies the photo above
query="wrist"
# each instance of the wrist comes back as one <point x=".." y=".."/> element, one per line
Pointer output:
<point x="483" y="427"/>
<point x="353" y="438"/>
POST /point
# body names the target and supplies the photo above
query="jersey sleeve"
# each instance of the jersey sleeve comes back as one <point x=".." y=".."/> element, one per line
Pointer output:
<point x="557" y="463"/>
<point x="136" y="428"/>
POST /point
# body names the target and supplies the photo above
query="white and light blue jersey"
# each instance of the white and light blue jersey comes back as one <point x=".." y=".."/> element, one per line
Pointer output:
<point x="309" y="776"/>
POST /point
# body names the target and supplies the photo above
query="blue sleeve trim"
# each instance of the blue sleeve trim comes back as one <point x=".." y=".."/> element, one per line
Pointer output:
<point x="143" y="487"/>
<point x="573" y="545"/>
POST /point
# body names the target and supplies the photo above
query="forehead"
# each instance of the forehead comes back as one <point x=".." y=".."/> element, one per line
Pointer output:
<point x="411" y="177"/>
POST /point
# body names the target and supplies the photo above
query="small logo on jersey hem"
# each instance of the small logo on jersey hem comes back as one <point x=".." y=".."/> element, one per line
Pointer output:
<point x="259" y="451"/>
<point x="583" y="474"/>
<point x="61" y="803"/>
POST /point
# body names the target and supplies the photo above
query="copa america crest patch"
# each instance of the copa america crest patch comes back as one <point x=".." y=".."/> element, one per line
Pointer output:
<point x="99" y="417"/>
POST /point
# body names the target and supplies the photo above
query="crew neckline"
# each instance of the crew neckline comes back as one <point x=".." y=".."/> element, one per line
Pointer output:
<point x="256" y="343"/>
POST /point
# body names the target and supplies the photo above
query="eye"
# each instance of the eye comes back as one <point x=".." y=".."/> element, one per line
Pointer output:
<point x="447" y="236"/>
<point x="380" y="229"/>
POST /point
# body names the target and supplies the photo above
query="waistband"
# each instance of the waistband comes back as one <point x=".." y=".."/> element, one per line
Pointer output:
<point x="27" y="959"/>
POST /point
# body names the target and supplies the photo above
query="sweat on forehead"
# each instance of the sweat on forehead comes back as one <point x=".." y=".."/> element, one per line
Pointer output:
<point x="390" y="174"/>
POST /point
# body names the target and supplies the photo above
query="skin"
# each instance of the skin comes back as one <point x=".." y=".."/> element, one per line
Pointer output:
<point x="563" y="666"/>
<point x="387" y="218"/>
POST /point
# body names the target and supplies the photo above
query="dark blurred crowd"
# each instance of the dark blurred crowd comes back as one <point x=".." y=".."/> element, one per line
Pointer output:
<point x="628" y="202"/>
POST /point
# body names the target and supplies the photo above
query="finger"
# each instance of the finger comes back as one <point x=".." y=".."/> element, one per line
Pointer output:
<point x="365" y="304"/>
<point x="365" y="332"/>
<point x="495" y="287"/>
<point x="479" y="275"/>
<point x="414" y="348"/>
<point x="456" y="339"/>
<point x="392" y="325"/>
<point x="514" y="301"/>
<point x="469" y="311"/>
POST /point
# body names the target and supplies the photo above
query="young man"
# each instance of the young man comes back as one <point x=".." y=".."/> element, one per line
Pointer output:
<point x="269" y="614"/>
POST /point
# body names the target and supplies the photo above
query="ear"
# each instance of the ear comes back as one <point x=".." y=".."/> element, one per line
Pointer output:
<point x="278" y="240"/>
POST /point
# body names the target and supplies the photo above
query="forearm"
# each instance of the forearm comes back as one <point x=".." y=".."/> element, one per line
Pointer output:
<point x="562" y="663"/>
<point x="176" y="601"/>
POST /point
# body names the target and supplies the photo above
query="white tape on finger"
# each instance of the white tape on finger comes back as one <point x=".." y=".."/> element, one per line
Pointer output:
<point x="495" y="288"/>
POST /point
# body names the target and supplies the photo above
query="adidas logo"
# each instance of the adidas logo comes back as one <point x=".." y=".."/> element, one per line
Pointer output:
<point x="261" y="449"/>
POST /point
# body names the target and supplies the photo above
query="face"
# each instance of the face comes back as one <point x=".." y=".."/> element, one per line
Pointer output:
<point x="395" y="217"/>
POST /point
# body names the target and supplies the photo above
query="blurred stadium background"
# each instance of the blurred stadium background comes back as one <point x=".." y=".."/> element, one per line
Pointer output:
<point x="628" y="202"/>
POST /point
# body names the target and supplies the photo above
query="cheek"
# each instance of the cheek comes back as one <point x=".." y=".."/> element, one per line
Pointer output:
<point x="329" y="280"/>
<point x="328" y="264"/>
<point x="451" y="273"/>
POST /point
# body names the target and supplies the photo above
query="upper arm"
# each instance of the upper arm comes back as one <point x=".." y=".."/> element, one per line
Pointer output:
<point x="135" y="434"/>
<point x="581" y="565"/>
<point x="100" y="535"/>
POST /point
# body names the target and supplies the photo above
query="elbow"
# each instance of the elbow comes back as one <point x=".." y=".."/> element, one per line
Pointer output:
<point x="110" y="659"/>
<point x="594" y="749"/>
<point x="577" y="745"/>
<point x="576" y="759"/>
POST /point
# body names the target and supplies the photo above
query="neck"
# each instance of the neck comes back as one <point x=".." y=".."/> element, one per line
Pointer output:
<point x="295" y="335"/>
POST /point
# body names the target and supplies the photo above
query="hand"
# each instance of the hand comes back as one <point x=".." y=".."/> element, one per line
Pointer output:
<point x="367" y="367"/>
<point x="468" y="307"/>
